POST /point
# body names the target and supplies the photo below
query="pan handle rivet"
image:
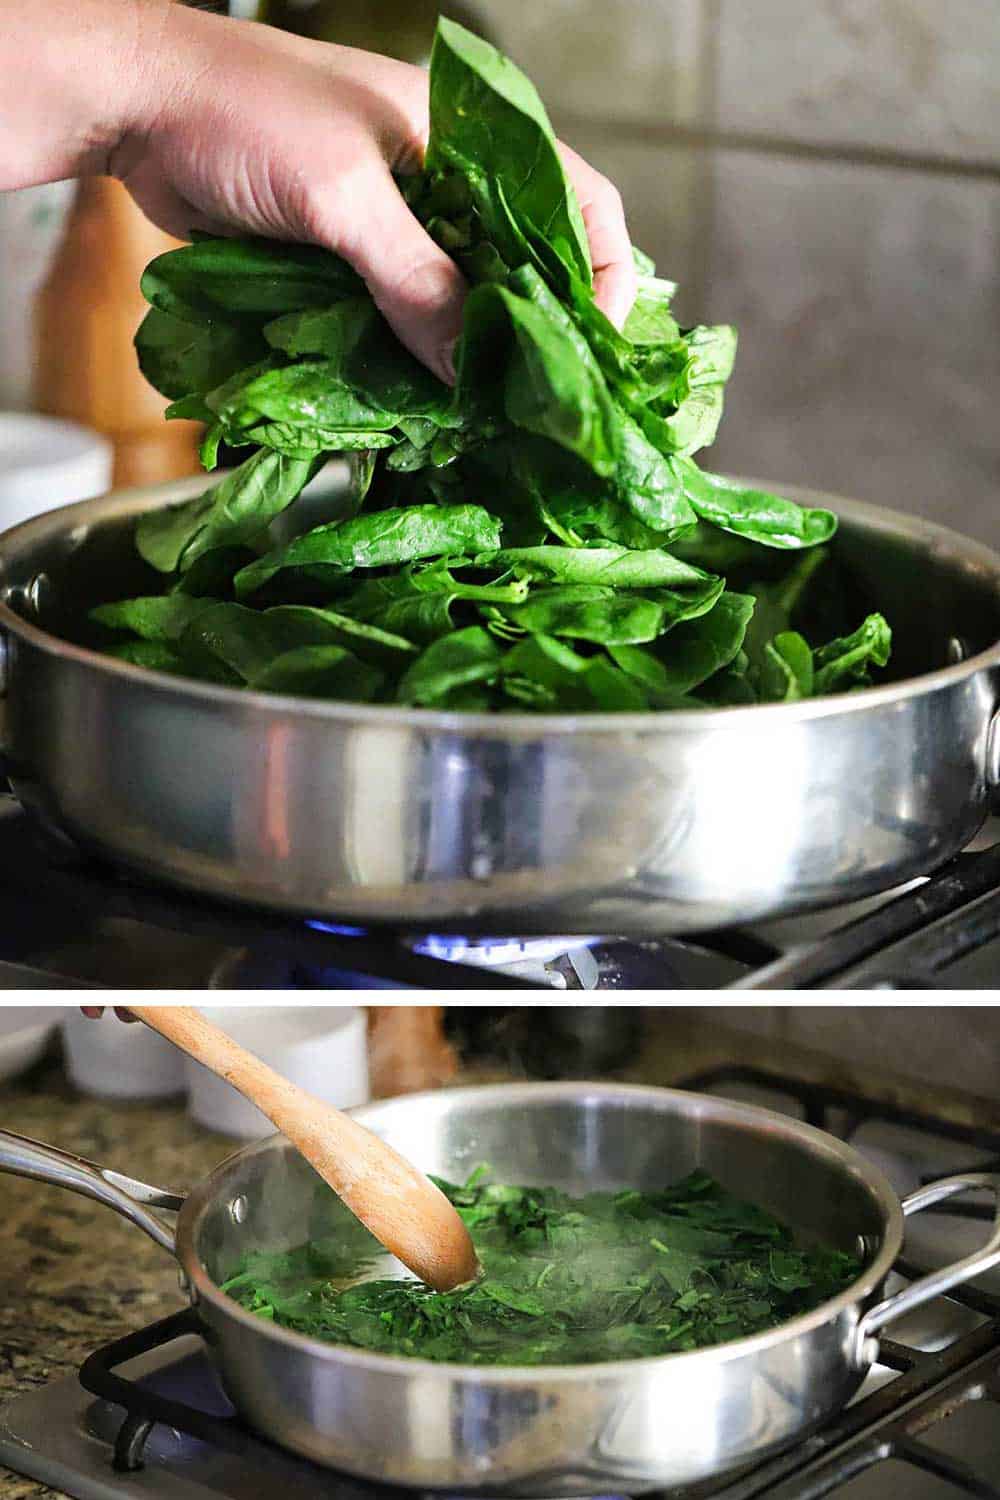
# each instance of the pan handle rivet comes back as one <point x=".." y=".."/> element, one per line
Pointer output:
<point x="38" y="593"/>
<point x="238" y="1209"/>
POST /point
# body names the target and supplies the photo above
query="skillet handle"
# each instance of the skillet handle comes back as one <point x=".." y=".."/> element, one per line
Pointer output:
<point x="26" y="1158"/>
<point x="935" y="1282"/>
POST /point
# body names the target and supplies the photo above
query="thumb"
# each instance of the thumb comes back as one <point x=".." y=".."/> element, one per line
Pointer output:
<point x="415" y="285"/>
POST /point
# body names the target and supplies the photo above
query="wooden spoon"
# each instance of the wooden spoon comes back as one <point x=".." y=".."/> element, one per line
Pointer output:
<point x="402" y="1208"/>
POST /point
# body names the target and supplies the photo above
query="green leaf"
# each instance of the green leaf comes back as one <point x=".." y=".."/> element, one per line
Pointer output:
<point x="515" y="357"/>
<point x="180" y="359"/>
<point x="455" y="661"/>
<point x="508" y="1296"/>
<point x="310" y="394"/>
<point x="763" y="518"/>
<point x="417" y="603"/>
<point x="586" y="612"/>
<point x="359" y="346"/>
<point x="211" y="575"/>
<point x="379" y="540"/>
<point x="155" y="656"/>
<point x="612" y="690"/>
<point x="613" y="567"/>
<point x="488" y="123"/>
<point x="846" y="661"/>
<point x="321" y="672"/>
<point x="248" y="641"/>
<point x="693" y="651"/>
<point x="229" y="514"/>
<point x="650" y="320"/>
<point x="234" y="280"/>
<point x="787" y="671"/>
<point x="542" y="672"/>
<point x="161" y="618"/>
<point x="649" y="486"/>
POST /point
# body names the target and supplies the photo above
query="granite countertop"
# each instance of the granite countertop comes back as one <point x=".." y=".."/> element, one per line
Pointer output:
<point x="73" y="1275"/>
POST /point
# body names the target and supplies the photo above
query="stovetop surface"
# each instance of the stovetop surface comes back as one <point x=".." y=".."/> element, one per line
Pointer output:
<point x="66" y="922"/>
<point x="923" y="1427"/>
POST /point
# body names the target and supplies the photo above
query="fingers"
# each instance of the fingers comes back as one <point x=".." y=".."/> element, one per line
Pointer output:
<point x="416" y="286"/>
<point x="95" y="1012"/>
<point x="615" y="281"/>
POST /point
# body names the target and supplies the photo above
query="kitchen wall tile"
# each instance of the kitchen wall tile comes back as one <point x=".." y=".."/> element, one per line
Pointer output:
<point x="868" y="305"/>
<point x="621" y="59"/>
<point x="667" y="195"/>
<point x="909" y="74"/>
<point x="957" y="1048"/>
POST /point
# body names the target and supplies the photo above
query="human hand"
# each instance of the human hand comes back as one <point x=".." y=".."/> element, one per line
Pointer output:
<point x="235" y="126"/>
<point x="95" y="1012"/>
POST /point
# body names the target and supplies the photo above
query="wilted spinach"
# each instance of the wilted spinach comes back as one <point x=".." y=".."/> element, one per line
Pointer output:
<point x="539" y="538"/>
<point x="566" y="1280"/>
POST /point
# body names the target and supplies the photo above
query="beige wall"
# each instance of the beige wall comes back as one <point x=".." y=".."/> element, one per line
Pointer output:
<point x="827" y="176"/>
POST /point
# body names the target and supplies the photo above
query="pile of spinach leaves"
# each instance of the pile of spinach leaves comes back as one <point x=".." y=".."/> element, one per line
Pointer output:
<point x="540" y="537"/>
<point x="565" y="1280"/>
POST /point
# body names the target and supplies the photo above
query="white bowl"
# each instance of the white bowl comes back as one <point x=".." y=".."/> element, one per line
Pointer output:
<point x="24" y="1035"/>
<point x="45" y="463"/>
<point x="112" y="1059"/>
<point x="322" y="1048"/>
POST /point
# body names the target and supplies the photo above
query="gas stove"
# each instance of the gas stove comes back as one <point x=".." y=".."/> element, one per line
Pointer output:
<point x="69" y="922"/>
<point x="147" y="1419"/>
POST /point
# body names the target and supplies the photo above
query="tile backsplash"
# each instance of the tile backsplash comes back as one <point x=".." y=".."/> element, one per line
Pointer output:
<point x="826" y="176"/>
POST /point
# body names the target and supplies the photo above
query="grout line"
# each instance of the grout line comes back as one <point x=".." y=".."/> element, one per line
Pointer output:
<point x="642" y="133"/>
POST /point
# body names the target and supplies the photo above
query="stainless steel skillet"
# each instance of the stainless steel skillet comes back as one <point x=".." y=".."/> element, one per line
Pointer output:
<point x="547" y="1430"/>
<point x="624" y="824"/>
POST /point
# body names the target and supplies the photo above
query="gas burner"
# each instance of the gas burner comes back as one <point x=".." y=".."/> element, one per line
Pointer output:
<point x="544" y="961"/>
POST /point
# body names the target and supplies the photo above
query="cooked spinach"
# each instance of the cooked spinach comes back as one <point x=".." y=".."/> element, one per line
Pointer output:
<point x="539" y="538"/>
<point x="565" y="1280"/>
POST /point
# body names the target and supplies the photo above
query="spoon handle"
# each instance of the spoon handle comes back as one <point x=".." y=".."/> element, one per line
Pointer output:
<point x="404" y="1210"/>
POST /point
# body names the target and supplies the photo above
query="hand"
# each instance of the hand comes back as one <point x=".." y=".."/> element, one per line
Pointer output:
<point x="235" y="126"/>
<point x="95" y="1012"/>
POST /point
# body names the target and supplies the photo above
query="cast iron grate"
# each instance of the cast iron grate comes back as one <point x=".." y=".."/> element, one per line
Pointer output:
<point x="889" y="1424"/>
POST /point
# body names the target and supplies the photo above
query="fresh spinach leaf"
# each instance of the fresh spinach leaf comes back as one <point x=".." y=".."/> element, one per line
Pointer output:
<point x="321" y="672"/>
<point x="184" y="360"/>
<point x="378" y="540"/>
<point x="239" y="280"/>
<point x="162" y="617"/>
<point x="766" y="519"/>
<point x="455" y="661"/>
<point x="846" y="661"/>
<point x="613" y="567"/>
<point x="489" y="125"/>
<point x="787" y="670"/>
<point x="586" y="612"/>
<point x="229" y="514"/>
<point x="694" y="650"/>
